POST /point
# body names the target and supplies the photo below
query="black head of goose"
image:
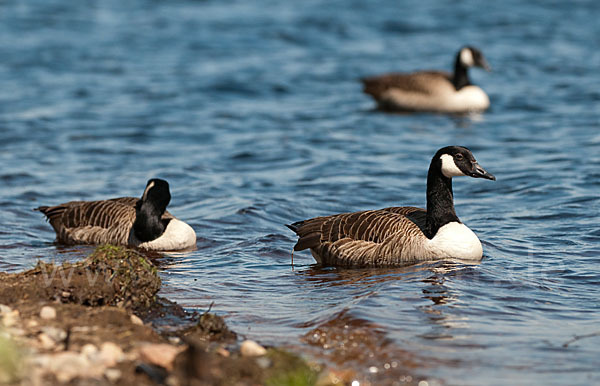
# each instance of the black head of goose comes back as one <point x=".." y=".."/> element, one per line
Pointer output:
<point x="434" y="91"/>
<point x="142" y="223"/>
<point x="400" y="235"/>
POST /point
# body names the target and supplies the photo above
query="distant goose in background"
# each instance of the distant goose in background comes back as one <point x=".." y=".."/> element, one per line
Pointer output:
<point x="141" y="223"/>
<point x="433" y="91"/>
<point x="400" y="235"/>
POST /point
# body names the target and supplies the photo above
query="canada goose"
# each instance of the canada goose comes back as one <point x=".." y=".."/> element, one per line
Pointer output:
<point x="400" y="235"/>
<point x="142" y="223"/>
<point x="434" y="91"/>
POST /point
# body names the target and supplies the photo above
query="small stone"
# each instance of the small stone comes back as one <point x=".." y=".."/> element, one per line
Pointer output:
<point x="69" y="365"/>
<point x="136" y="320"/>
<point x="223" y="352"/>
<point x="250" y="348"/>
<point x="110" y="354"/>
<point x="11" y="318"/>
<point x="174" y="340"/>
<point x="263" y="362"/>
<point x="46" y="342"/>
<point x="160" y="354"/>
<point x="328" y="378"/>
<point x="48" y="312"/>
<point x="113" y="375"/>
<point x="32" y="324"/>
<point x="89" y="350"/>
<point x="57" y="334"/>
<point x="4" y="309"/>
<point x="66" y="294"/>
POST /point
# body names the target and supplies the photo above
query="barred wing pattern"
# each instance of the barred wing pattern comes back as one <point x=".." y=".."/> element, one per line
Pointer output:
<point x="93" y="222"/>
<point x="374" y="237"/>
<point x="425" y="82"/>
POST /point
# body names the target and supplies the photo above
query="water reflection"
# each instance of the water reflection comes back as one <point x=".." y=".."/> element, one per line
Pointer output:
<point x="348" y="340"/>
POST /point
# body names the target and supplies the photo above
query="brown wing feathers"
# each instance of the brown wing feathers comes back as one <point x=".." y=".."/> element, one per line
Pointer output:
<point x="372" y="225"/>
<point x="419" y="82"/>
<point x="106" y="221"/>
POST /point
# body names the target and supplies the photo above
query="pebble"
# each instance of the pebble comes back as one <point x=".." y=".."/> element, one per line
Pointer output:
<point x="57" y="334"/>
<point x="48" y="312"/>
<point x="136" y="320"/>
<point x="161" y="354"/>
<point x="110" y="354"/>
<point x="4" y="309"/>
<point x="223" y="352"/>
<point x="10" y="318"/>
<point x="263" y="362"/>
<point x="46" y="342"/>
<point x="250" y="348"/>
<point x="113" y="375"/>
<point x="68" y="365"/>
<point x="90" y="351"/>
<point x="32" y="324"/>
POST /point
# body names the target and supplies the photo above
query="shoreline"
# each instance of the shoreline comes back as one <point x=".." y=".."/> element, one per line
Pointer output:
<point x="92" y="321"/>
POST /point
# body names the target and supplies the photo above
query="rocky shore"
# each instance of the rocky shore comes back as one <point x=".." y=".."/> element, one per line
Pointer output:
<point x="92" y="322"/>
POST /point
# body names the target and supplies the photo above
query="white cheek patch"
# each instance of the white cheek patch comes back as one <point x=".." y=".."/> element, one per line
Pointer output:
<point x="466" y="57"/>
<point x="150" y="186"/>
<point x="449" y="168"/>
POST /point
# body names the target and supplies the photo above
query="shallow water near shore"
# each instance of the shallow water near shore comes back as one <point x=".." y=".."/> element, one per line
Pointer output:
<point x="254" y="114"/>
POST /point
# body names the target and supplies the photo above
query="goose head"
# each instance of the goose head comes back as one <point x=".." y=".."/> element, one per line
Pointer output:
<point x="148" y="224"/>
<point x="472" y="57"/>
<point x="454" y="161"/>
<point x="156" y="194"/>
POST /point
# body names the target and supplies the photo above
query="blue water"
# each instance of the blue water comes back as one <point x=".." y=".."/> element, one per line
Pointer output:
<point x="252" y="110"/>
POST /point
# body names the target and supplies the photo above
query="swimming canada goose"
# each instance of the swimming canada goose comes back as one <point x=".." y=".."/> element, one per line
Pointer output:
<point x="400" y="235"/>
<point x="434" y="91"/>
<point x="142" y="223"/>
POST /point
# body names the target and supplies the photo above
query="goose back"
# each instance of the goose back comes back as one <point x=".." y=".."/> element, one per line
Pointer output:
<point x="388" y="236"/>
<point x="94" y="222"/>
<point x="425" y="91"/>
<point x="423" y="82"/>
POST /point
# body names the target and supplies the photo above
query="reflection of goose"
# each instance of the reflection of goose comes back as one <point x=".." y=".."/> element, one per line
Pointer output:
<point x="143" y="223"/>
<point x="400" y="235"/>
<point x="432" y="90"/>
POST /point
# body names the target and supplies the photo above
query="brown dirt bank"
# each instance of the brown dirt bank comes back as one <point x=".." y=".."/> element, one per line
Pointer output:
<point x="79" y="324"/>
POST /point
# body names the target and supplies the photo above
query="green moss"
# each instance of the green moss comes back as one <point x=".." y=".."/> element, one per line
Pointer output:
<point x="289" y="370"/>
<point x="10" y="361"/>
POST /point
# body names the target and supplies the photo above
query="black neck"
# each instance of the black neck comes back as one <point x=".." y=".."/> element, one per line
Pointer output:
<point x="440" y="201"/>
<point x="148" y="224"/>
<point x="461" y="77"/>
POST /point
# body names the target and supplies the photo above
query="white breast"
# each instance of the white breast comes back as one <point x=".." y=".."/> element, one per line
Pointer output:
<point x="443" y="99"/>
<point x="455" y="240"/>
<point x="178" y="236"/>
<point x="471" y="98"/>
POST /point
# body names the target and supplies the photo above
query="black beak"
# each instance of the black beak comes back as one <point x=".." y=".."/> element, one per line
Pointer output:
<point x="485" y="65"/>
<point x="479" y="172"/>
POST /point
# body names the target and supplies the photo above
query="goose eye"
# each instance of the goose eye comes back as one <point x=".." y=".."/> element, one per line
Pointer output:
<point x="459" y="157"/>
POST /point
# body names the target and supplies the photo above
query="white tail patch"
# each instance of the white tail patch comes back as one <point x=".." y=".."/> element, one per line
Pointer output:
<point x="449" y="168"/>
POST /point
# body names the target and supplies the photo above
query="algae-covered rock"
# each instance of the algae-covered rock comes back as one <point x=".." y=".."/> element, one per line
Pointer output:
<point x="287" y="369"/>
<point x="110" y="276"/>
<point x="210" y="327"/>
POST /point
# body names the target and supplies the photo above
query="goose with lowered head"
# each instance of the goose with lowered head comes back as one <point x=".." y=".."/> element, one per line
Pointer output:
<point x="141" y="223"/>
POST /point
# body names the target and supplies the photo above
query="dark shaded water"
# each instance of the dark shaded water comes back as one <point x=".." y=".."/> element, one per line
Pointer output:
<point x="253" y="112"/>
